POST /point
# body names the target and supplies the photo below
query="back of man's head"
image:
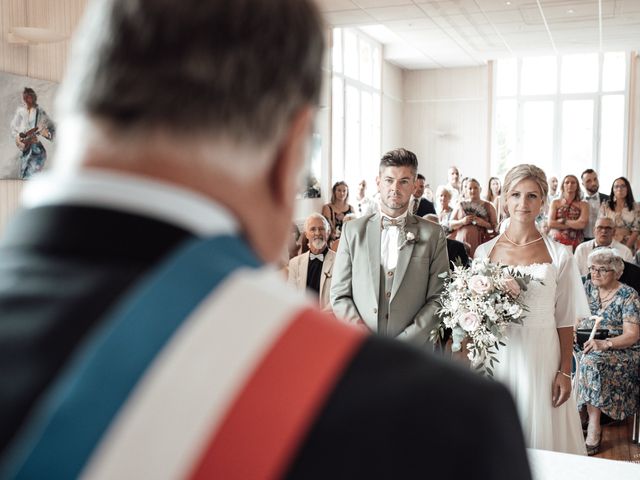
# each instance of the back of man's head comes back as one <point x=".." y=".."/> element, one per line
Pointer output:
<point x="238" y="69"/>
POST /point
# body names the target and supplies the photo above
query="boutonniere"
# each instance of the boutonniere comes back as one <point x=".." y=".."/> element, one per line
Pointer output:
<point x="409" y="239"/>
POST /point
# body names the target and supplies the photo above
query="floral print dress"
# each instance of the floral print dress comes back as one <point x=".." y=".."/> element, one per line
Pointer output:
<point x="568" y="236"/>
<point x="610" y="380"/>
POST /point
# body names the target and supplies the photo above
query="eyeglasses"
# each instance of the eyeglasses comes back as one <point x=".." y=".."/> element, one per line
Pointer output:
<point x="604" y="229"/>
<point x="620" y="187"/>
<point x="600" y="270"/>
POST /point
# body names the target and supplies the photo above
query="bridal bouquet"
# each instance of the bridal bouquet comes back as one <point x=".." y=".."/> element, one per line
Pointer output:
<point x="478" y="303"/>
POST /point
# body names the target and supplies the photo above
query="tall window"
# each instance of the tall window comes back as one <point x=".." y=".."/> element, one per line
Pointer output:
<point x="355" y="121"/>
<point x="562" y="113"/>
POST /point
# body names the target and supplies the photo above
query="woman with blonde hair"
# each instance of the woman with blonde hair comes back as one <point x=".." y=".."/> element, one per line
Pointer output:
<point x="443" y="195"/>
<point x="536" y="361"/>
<point x="336" y="210"/>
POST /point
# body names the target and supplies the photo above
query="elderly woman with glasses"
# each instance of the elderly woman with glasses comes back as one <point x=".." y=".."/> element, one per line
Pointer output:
<point x="608" y="379"/>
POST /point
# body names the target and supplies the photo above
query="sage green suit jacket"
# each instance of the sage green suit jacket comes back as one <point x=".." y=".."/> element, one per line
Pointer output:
<point x="355" y="286"/>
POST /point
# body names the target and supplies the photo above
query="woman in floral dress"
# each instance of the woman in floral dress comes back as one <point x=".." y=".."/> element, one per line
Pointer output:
<point x="475" y="220"/>
<point x="568" y="215"/>
<point x="625" y="214"/>
<point x="608" y="370"/>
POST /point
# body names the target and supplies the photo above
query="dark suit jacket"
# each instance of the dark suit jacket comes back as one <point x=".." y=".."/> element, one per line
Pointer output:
<point x="64" y="268"/>
<point x="603" y="197"/>
<point x="631" y="276"/>
<point x="425" y="207"/>
<point x="456" y="250"/>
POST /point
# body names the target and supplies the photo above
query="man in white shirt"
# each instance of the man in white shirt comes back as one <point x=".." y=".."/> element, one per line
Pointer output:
<point x="312" y="270"/>
<point x="604" y="228"/>
<point x="453" y="185"/>
<point x="386" y="274"/>
<point x="590" y="184"/>
<point x="364" y="205"/>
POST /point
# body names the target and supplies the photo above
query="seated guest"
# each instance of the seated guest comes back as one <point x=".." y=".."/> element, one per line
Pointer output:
<point x="603" y="231"/>
<point x="455" y="249"/>
<point x="494" y="195"/>
<point x="444" y="204"/>
<point x="607" y="370"/>
<point x="475" y="220"/>
<point x="622" y="208"/>
<point x="293" y="246"/>
<point x="593" y="198"/>
<point x="364" y="205"/>
<point x="568" y="214"/>
<point x="335" y="210"/>
<point x="312" y="270"/>
<point x="420" y="206"/>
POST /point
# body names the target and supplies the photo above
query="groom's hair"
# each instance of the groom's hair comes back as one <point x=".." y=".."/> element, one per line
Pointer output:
<point x="400" y="157"/>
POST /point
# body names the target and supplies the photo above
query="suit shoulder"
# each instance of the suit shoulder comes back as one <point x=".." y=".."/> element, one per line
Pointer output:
<point x="357" y="224"/>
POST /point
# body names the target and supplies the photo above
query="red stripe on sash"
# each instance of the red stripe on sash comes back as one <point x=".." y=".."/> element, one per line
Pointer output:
<point x="272" y="413"/>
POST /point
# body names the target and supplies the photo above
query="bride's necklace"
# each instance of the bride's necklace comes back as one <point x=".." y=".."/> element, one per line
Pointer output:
<point x="521" y="244"/>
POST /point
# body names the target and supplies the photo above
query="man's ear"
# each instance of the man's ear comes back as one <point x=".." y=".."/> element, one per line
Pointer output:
<point x="289" y="158"/>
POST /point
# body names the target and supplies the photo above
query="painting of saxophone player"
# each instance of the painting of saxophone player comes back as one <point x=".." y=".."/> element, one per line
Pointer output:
<point x="29" y="125"/>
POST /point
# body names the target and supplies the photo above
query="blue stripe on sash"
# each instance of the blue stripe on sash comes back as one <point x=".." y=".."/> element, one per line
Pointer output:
<point x="83" y="403"/>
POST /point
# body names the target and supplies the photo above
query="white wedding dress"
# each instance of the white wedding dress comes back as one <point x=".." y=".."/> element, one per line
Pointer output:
<point x="530" y="360"/>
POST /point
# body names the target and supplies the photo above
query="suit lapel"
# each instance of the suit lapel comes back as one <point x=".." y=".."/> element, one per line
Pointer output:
<point x="326" y="269"/>
<point x="404" y="254"/>
<point x="302" y="271"/>
<point x="373" y="252"/>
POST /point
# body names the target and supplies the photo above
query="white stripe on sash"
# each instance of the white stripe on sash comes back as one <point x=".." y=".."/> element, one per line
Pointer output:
<point x="183" y="397"/>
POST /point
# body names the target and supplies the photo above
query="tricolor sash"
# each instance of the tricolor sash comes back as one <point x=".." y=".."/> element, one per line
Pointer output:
<point x="210" y="368"/>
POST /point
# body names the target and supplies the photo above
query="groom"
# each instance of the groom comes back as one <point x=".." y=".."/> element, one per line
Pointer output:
<point x="386" y="273"/>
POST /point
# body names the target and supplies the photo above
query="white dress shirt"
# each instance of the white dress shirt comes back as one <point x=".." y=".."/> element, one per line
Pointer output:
<point x="130" y="193"/>
<point x="389" y="244"/>
<point x="594" y="206"/>
<point x="585" y="248"/>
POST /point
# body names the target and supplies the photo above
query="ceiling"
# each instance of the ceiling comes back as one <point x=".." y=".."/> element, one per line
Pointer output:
<point x="421" y="34"/>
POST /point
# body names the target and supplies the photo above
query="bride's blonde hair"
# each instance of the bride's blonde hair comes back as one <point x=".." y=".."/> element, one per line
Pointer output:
<point x="525" y="171"/>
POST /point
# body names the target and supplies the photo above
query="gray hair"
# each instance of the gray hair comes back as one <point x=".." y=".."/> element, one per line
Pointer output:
<point x="236" y="69"/>
<point x="608" y="257"/>
<point x="317" y="215"/>
<point x="605" y="219"/>
<point x="442" y="189"/>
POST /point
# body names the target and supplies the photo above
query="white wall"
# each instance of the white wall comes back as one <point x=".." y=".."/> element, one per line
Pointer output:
<point x="446" y="121"/>
<point x="392" y="107"/>
<point x="633" y="170"/>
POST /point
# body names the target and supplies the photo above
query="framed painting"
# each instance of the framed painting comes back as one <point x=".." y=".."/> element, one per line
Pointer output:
<point x="27" y="131"/>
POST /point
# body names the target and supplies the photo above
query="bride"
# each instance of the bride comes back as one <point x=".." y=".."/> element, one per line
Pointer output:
<point x="536" y="363"/>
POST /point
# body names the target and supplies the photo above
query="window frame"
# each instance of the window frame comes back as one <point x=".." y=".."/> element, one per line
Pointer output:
<point x="558" y="99"/>
<point x="338" y="162"/>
